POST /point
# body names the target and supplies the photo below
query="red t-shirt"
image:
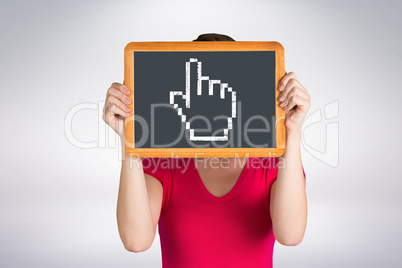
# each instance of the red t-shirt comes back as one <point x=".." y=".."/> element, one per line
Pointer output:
<point x="198" y="229"/>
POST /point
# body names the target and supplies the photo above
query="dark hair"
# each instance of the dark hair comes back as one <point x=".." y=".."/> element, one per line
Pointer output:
<point x="214" y="37"/>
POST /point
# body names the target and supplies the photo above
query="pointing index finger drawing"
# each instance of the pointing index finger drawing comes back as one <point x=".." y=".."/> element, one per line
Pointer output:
<point x="224" y="90"/>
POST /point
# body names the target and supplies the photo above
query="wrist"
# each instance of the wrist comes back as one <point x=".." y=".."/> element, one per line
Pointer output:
<point x="292" y="146"/>
<point x="123" y="148"/>
<point x="293" y="135"/>
<point x="132" y="157"/>
<point x="122" y="141"/>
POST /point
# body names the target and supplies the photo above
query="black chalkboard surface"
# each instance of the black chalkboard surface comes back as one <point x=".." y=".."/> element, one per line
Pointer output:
<point x="204" y="98"/>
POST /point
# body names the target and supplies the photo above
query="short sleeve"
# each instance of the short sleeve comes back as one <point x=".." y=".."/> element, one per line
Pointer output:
<point x="158" y="168"/>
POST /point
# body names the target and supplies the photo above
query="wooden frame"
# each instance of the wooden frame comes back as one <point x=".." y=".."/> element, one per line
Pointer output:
<point x="205" y="46"/>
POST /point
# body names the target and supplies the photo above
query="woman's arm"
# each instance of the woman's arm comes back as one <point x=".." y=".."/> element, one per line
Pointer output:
<point x="138" y="205"/>
<point x="140" y="195"/>
<point x="288" y="193"/>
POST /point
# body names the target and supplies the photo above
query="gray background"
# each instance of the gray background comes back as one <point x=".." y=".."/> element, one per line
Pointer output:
<point x="57" y="201"/>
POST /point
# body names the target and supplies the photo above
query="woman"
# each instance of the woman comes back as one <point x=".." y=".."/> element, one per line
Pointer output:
<point x="214" y="213"/>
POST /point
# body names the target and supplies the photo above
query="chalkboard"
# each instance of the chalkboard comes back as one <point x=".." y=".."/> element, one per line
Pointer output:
<point x="203" y="99"/>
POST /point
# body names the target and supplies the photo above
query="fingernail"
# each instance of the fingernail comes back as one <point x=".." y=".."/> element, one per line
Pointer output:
<point x="282" y="104"/>
<point x="127" y="100"/>
<point x="127" y="90"/>
<point x="284" y="108"/>
<point x="127" y="108"/>
<point x="280" y="87"/>
<point x="128" y="114"/>
<point x="281" y="97"/>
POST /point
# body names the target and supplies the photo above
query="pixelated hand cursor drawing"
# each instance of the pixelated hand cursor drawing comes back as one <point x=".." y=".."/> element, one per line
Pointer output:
<point x="225" y="91"/>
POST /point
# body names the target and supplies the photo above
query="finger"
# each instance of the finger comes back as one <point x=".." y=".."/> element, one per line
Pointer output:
<point x="112" y="111"/>
<point x="295" y="91"/>
<point x="302" y="103"/>
<point x="292" y="83"/>
<point x="121" y="87"/>
<point x="285" y="80"/>
<point x="295" y="83"/>
<point x="113" y="100"/>
<point x="110" y="116"/>
<point x="116" y="86"/>
<point x="119" y="95"/>
<point x="113" y="120"/>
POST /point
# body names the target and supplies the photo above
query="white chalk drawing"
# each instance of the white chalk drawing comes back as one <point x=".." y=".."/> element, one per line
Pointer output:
<point x="224" y="88"/>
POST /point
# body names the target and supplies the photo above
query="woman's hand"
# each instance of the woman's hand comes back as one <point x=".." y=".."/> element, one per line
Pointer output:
<point x="116" y="106"/>
<point x="288" y="192"/>
<point x="294" y="100"/>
